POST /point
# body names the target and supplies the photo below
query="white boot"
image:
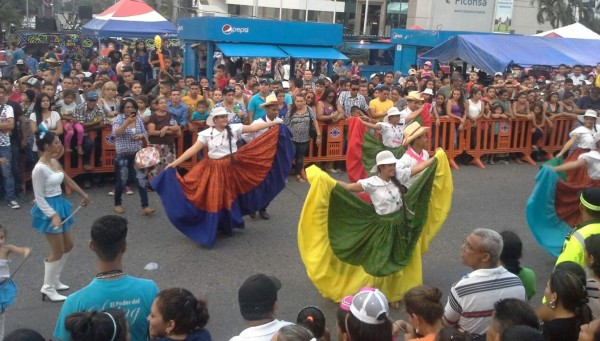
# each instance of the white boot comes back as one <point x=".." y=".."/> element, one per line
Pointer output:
<point x="50" y="278"/>
<point x="62" y="261"/>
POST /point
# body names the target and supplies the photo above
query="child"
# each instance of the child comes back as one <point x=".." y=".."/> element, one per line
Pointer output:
<point x="313" y="319"/>
<point x="497" y="112"/>
<point x="8" y="289"/>
<point x="539" y="122"/>
<point x="143" y="110"/>
<point x="70" y="124"/>
<point x="199" y="116"/>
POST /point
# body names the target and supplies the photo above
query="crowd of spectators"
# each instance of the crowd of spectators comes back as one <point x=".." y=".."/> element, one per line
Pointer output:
<point x="161" y="102"/>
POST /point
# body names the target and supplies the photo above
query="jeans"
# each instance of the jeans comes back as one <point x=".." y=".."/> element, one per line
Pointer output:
<point x="124" y="165"/>
<point x="301" y="149"/>
<point x="15" y="146"/>
<point x="7" y="173"/>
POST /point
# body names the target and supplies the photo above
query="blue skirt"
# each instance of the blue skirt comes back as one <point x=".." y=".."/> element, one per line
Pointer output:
<point x="8" y="291"/>
<point x="43" y="223"/>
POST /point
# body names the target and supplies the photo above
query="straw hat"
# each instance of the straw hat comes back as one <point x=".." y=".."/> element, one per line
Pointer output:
<point x="393" y="111"/>
<point x="219" y="111"/>
<point x="414" y="96"/>
<point x="270" y="100"/>
<point x="384" y="158"/>
<point x="588" y="113"/>
<point x="412" y="132"/>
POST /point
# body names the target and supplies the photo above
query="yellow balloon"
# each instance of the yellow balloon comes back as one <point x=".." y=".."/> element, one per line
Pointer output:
<point x="157" y="42"/>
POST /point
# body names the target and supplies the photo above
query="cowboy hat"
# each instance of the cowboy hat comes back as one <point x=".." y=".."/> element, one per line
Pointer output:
<point x="218" y="111"/>
<point x="588" y="113"/>
<point x="414" y="96"/>
<point x="384" y="158"/>
<point x="393" y="111"/>
<point x="270" y="100"/>
<point x="412" y="132"/>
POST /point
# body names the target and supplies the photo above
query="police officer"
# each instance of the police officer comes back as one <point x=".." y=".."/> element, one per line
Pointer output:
<point x="574" y="247"/>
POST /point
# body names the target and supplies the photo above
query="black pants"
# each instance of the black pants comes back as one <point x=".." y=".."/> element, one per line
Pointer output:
<point x="301" y="149"/>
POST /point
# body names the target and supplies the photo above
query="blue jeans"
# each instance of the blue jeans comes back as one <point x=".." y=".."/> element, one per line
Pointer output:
<point x="124" y="164"/>
<point x="7" y="175"/>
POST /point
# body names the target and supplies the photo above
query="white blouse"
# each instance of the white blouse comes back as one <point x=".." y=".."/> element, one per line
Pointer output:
<point x="251" y="136"/>
<point x="408" y="161"/>
<point x="46" y="183"/>
<point x="50" y="123"/>
<point x="585" y="137"/>
<point x="391" y="135"/>
<point x="385" y="196"/>
<point x="218" y="142"/>
<point x="592" y="160"/>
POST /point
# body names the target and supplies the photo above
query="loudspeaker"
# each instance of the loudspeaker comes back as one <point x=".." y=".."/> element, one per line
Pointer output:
<point x="85" y="12"/>
<point x="45" y="24"/>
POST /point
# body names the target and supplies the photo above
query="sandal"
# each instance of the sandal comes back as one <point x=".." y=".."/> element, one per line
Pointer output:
<point x="299" y="179"/>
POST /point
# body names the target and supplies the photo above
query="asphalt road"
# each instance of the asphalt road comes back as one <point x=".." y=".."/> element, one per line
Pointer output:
<point x="493" y="198"/>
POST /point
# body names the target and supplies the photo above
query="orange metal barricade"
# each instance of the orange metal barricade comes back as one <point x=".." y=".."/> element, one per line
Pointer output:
<point x="332" y="147"/>
<point x="554" y="138"/>
<point x="444" y="136"/>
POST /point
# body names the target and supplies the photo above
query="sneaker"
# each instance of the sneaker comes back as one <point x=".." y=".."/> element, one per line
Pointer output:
<point x="14" y="204"/>
<point x="111" y="193"/>
<point x="128" y="190"/>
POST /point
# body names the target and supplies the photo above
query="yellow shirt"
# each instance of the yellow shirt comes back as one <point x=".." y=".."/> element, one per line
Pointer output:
<point x="574" y="247"/>
<point x="191" y="103"/>
<point x="380" y="108"/>
<point x="597" y="82"/>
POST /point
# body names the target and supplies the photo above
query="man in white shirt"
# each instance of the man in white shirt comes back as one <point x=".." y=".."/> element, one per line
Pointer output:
<point x="271" y="106"/>
<point x="472" y="299"/>
<point x="577" y="76"/>
<point x="258" y="302"/>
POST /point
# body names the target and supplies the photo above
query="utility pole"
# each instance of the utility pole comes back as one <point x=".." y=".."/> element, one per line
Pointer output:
<point x="175" y="13"/>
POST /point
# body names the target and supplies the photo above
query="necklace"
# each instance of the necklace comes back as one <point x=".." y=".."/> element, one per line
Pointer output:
<point x="220" y="134"/>
<point x="109" y="274"/>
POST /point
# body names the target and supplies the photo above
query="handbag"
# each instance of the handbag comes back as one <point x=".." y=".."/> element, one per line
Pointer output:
<point x="147" y="156"/>
<point x="312" y="131"/>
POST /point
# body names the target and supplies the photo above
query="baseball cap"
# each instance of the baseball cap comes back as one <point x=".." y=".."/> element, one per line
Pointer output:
<point x="368" y="306"/>
<point x="428" y="63"/>
<point x="20" y="62"/>
<point x="412" y="72"/>
<point x="498" y="74"/>
<point x="34" y="82"/>
<point x="258" y="294"/>
<point x="374" y="75"/>
<point x="347" y="300"/>
<point x="91" y="95"/>
<point x="285" y="84"/>
<point x="381" y="87"/>
<point x="263" y="80"/>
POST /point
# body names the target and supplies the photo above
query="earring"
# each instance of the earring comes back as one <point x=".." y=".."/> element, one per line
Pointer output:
<point x="552" y="305"/>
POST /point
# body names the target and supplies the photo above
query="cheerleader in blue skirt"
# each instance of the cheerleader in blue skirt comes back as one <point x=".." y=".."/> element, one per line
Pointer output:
<point x="51" y="211"/>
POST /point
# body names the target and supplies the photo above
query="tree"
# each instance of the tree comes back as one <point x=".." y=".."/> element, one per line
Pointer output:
<point x="563" y="12"/>
<point x="9" y="13"/>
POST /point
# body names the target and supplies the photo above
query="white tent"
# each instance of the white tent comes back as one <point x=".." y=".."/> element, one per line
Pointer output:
<point x="576" y="30"/>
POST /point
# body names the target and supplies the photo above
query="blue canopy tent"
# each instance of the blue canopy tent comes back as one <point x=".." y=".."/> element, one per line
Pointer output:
<point x="495" y="53"/>
<point x="130" y="19"/>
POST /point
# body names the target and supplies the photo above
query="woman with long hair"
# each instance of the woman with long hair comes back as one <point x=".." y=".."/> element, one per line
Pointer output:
<point x="512" y="251"/>
<point x="51" y="210"/>
<point x="298" y="120"/>
<point x="456" y="107"/>
<point x="141" y="56"/>
<point x="566" y="296"/>
<point x="106" y="325"/>
<point x="176" y="314"/>
<point x="125" y="61"/>
<point x="329" y="111"/>
<point x="44" y="119"/>
<point x="109" y="101"/>
<point x="162" y="129"/>
<point x="129" y="132"/>
<point x="215" y="193"/>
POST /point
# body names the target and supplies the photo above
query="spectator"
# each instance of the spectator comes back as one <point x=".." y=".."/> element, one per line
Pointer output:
<point x="368" y="319"/>
<point x="107" y="325"/>
<point x="255" y="111"/>
<point x="7" y="123"/>
<point x="111" y="287"/>
<point x="91" y="116"/>
<point x="479" y="290"/>
<point x="176" y="108"/>
<point x="177" y="315"/>
<point x="293" y="332"/>
<point x="379" y="106"/>
<point x="425" y="313"/>
<point x="453" y="334"/>
<point x="592" y="262"/>
<point x="565" y="295"/>
<point x="512" y="251"/>
<point x="24" y="334"/>
<point x="522" y="333"/>
<point x="588" y="332"/>
<point x="258" y="298"/>
<point x="162" y="130"/>
<point x="510" y="312"/>
<point x="313" y="319"/>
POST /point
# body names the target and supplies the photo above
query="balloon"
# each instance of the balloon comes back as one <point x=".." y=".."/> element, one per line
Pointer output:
<point x="157" y="42"/>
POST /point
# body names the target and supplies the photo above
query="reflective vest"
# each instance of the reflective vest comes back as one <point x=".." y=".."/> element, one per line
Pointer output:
<point x="574" y="246"/>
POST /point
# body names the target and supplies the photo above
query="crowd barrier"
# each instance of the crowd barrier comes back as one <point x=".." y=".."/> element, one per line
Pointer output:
<point x="487" y="137"/>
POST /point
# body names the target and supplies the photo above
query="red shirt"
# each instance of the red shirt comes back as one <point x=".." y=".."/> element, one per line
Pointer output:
<point x="16" y="96"/>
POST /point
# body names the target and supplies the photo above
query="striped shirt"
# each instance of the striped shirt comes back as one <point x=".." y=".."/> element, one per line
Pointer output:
<point x="471" y="300"/>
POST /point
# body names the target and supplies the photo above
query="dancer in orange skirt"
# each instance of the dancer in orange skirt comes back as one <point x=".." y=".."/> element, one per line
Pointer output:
<point x="217" y="191"/>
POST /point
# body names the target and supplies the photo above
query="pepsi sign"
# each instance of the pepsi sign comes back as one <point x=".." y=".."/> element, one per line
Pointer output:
<point x="228" y="29"/>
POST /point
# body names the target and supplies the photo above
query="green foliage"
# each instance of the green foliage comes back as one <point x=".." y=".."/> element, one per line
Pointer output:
<point x="10" y="13"/>
<point x="565" y="12"/>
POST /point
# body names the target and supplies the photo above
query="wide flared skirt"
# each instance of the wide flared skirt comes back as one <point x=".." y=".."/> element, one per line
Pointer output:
<point x="216" y="193"/>
<point x="43" y="223"/>
<point x="345" y="245"/>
